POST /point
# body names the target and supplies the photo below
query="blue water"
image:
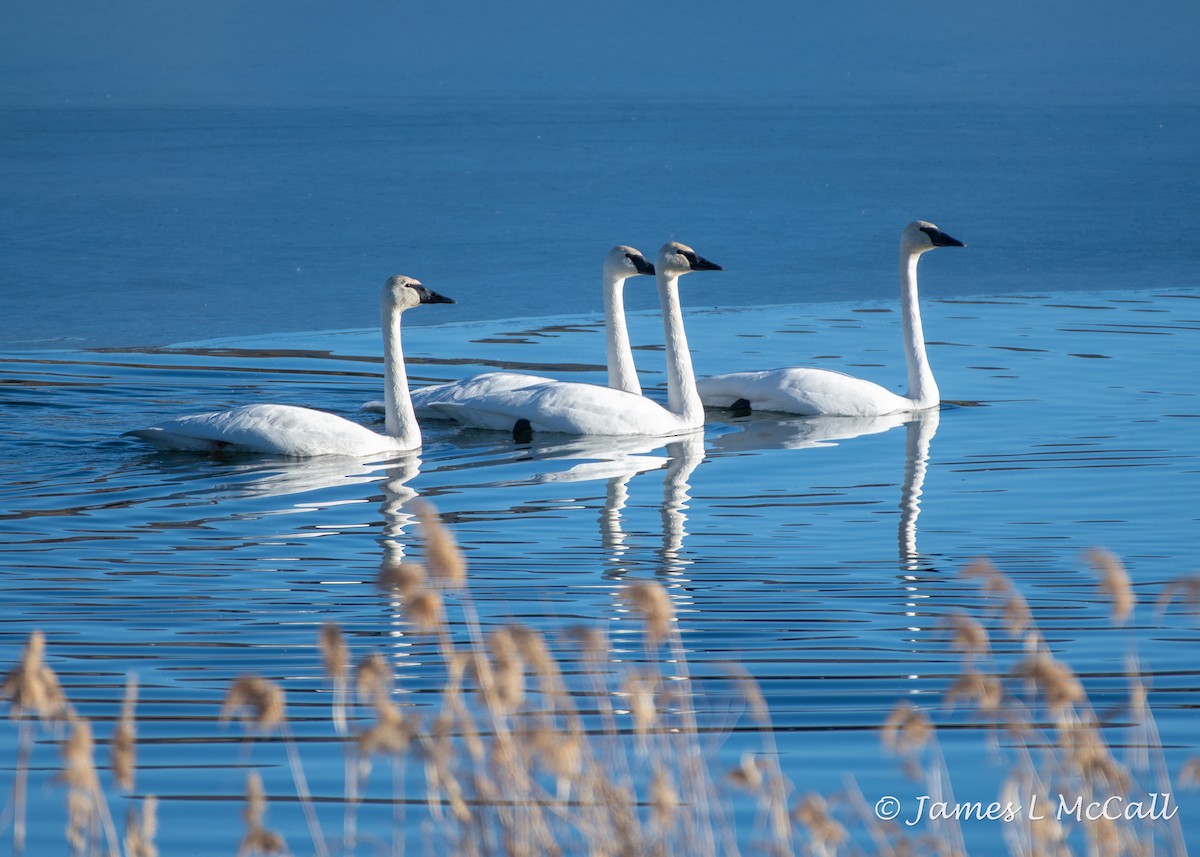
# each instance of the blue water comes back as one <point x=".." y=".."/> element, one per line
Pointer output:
<point x="822" y="556"/>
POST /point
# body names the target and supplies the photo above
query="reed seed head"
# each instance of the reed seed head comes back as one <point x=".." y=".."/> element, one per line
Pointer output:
<point x="424" y="610"/>
<point x="640" y="691"/>
<point x="445" y="560"/>
<point x="141" y="829"/>
<point x="33" y="686"/>
<point x="1186" y="589"/>
<point x="813" y="814"/>
<point x="967" y="634"/>
<point x="1055" y="680"/>
<point x="664" y="797"/>
<point x="335" y="653"/>
<point x="508" y="670"/>
<point x="391" y="735"/>
<point x="992" y="579"/>
<point x="1114" y="582"/>
<point x="373" y="679"/>
<point x="123" y="749"/>
<point x="653" y="603"/>
<point x="907" y="729"/>
<point x="983" y="690"/>
<point x="592" y="642"/>
<point x="261" y="702"/>
<point x="258" y="840"/>
<point x="748" y="774"/>
<point x="79" y="773"/>
<point x="403" y="578"/>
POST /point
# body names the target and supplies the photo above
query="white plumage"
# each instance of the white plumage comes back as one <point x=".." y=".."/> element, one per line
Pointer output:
<point x="297" y="431"/>
<point x="823" y="392"/>
<point x="587" y="409"/>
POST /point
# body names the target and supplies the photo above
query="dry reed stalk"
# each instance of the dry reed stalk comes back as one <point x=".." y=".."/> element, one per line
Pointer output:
<point x="263" y="706"/>
<point x="141" y="829"/>
<point x="335" y="659"/>
<point x="1114" y="582"/>
<point x="123" y="750"/>
<point x="445" y="560"/>
<point x="30" y="686"/>
<point x="87" y="810"/>
<point x="258" y="840"/>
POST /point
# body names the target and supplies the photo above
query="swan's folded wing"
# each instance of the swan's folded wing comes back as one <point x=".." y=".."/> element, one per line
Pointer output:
<point x="568" y="408"/>
<point x="801" y="390"/>
<point x="272" y="429"/>
<point x="465" y="392"/>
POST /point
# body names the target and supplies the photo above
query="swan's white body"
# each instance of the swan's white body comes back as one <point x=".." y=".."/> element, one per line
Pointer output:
<point x="296" y="431"/>
<point x="620" y="264"/>
<point x="588" y="409"/>
<point x="822" y="392"/>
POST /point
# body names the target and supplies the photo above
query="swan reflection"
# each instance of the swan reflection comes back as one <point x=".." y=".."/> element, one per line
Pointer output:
<point x="757" y="433"/>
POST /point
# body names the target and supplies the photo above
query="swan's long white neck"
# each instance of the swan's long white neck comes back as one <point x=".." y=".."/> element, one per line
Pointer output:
<point x="683" y="399"/>
<point x="622" y="374"/>
<point x="922" y="389"/>
<point x="399" y="420"/>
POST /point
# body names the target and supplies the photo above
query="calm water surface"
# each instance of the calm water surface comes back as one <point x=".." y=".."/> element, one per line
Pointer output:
<point x="820" y="555"/>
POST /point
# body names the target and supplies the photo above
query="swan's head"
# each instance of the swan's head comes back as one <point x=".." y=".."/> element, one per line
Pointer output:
<point x="675" y="259"/>
<point x="921" y="235"/>
<point x="405" y="293"/>
<point x="625" y="262"/>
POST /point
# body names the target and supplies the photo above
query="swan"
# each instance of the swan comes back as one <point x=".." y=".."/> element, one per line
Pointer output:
<point x="291" y="430"/>
<point x="543" y="405"/>
<point x="621" y="263"/>
<point x="823" y="392"/>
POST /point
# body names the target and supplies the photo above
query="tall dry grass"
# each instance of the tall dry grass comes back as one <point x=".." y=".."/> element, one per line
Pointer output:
<point x="516" y="759"/>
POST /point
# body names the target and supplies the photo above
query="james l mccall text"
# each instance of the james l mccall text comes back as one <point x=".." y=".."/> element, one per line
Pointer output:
<point x="1154" y="806"/>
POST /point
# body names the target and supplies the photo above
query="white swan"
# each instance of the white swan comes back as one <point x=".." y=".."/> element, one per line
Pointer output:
<point x="621" y="263"/>
<point x="588" y="409"/>
<point x="291" y="430"/>
<point x="823" y="392"/>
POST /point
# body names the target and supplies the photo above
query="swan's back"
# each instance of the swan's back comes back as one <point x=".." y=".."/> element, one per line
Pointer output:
<point x="802" y="390"/>
<point x="457" y="392"/>
<point x="567" y="407"/>
<point x="271" y="429"/>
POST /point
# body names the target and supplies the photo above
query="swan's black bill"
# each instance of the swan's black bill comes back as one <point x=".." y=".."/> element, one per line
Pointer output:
<point x="699" y="263"/>
<point x="938" y="238"/>
<point x="640" y="263"/>
<point x="429" y="296"/>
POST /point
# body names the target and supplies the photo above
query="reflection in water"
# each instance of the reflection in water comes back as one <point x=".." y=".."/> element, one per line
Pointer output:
<point x="919" y="433"/>
<point x="759" y="431"/>
<point x="684" y="454"/>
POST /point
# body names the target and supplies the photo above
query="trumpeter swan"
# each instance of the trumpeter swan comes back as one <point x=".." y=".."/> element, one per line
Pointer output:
<point x="621" y="263"/>
<point x="292" y="430"/>
<point x="588" y="409"/>
<point x="823" y="392"/>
